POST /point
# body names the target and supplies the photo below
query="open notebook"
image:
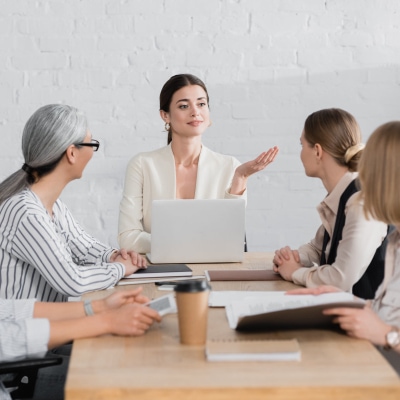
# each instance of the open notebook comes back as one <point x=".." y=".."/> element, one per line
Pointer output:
<point x="197" y="231"/>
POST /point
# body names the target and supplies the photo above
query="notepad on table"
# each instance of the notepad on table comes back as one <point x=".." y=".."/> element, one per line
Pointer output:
<point x="161" y="270"/>
<point x="253" y="350"/>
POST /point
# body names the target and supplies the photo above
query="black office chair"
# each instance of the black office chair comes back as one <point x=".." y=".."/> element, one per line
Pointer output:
<point x="24" y="374"/>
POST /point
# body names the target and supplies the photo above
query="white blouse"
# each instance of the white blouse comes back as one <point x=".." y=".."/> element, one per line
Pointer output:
<point x="360" y="239"/>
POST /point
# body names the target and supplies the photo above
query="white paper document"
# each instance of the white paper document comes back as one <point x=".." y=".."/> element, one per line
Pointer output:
<point x="222" y="298"/>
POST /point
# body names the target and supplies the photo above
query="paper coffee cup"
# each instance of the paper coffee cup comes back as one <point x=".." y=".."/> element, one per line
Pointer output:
<point x="192" y="304"/>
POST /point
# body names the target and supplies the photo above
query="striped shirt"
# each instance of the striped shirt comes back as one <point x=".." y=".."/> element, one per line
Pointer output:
<point x="49" y="258"/>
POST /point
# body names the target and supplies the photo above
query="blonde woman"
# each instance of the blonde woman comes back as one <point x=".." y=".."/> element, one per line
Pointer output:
<point x="348" y="249"/>
<point x="379" y="321"/>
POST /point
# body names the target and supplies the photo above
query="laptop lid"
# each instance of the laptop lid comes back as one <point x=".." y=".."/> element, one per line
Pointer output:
<point x="197" y="231"/>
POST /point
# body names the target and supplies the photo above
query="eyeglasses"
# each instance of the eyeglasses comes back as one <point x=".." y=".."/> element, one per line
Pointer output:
<point x="93" y="143"/>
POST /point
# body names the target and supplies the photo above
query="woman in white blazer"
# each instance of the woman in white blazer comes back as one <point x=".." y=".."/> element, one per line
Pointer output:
<point x="185" y="168"/>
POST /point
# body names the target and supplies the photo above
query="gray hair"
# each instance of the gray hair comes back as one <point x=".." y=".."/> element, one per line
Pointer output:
<point x="46" y="136"/>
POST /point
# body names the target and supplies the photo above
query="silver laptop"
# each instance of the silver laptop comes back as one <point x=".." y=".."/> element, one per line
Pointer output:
<point x="197" y="231"/>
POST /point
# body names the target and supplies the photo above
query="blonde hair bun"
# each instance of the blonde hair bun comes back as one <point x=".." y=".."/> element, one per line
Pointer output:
<point x="352" y="151"/>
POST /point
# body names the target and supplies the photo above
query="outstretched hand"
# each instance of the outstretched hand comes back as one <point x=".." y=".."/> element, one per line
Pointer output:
<point x="258" y="164"/>
<point x="243" y="171"/>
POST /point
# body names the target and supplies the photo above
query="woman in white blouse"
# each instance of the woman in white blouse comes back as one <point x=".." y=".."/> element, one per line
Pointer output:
<point x="185" y="168"/>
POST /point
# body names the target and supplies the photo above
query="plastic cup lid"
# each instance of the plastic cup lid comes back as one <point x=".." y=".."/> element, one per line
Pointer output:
<point x="192" y="286"/>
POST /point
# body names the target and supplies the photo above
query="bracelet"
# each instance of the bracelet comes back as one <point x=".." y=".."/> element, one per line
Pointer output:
<point x="87" y="305"/>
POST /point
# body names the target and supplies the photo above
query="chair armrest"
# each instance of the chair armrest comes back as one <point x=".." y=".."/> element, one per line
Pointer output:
<point x="29" y="364"/>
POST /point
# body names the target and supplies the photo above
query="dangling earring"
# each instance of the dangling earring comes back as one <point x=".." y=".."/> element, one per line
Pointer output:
<point x="167" y="126"/>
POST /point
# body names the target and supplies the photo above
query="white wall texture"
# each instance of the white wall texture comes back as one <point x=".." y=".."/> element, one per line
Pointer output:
<point x="267" y="64"/>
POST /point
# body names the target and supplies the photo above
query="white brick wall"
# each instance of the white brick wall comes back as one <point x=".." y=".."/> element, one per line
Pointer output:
<point x="267" y="65"/>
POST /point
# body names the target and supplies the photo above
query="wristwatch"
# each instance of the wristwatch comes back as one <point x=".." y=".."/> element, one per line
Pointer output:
<point x="392" y="338"/>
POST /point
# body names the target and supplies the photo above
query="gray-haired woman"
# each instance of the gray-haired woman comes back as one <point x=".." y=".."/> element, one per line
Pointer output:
<point x="44" y="253"/>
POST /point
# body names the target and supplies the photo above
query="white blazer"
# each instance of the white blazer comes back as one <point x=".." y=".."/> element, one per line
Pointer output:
<point x="151" y="176"/>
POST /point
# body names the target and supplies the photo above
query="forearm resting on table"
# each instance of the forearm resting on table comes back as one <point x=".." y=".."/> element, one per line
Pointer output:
<point x="64" y="311"/>
<point x="64" y="331"/>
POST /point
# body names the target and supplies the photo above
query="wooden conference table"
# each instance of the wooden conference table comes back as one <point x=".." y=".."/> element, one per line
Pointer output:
<point x="156" y="366"/>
